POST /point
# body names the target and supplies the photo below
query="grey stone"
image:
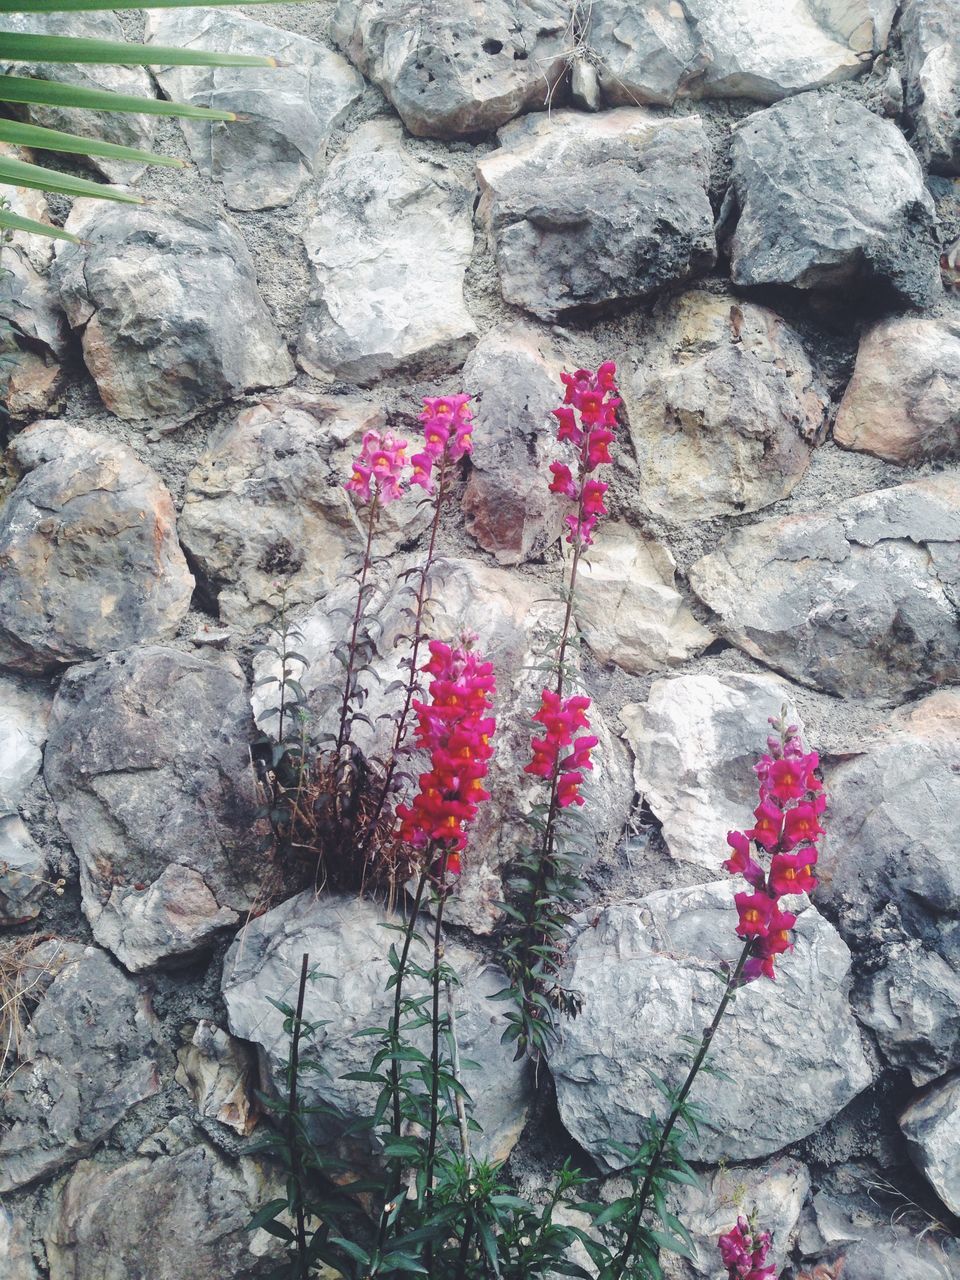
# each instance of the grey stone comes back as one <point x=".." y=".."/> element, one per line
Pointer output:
<point x="149" y="764"/>
<point x="286" y="113"/>
<point x="647" y="974"/>
<point x="453" y="70"/>
<point x="584" y="210"/>
<point x="912" y="1004"/>
<point x="16" y="1257"/>
<point x="166" y="303"/>
<point x="24" y="712"/>
<point x="126" y="129"/>
<point x="628" y="607"/>
<point x="179" y="1214"/>
<point x="514" y="377"/>
<point x="514" y="628"/>
<point x="24" y="872"/>
<point x="662" y="50"/>
<point x="695" y="742"/>
<point x="860" y="600"/>
<point x="379" y="301"/>
<point x="219" y="1073"/>
<point x="928" y="29"/>
<point x="89" y="1055"/>
<point x="830" y="196"/>
<point x="931" y="1126"/>
<point x="886" y="1258"/>
<point x="36" y="341"/>
<point x="722" y="411"/>
<point x="266" y="504"/>
<point x="89" y="558"/>
<point x="903" y="401"/>
<point x="347" y="945"/>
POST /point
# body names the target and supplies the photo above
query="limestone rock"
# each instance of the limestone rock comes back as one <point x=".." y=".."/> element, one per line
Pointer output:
<point x="903" y="402"/>
<point x="695" y="742"/>
<point x="266" y="503"/>
<point x="178" y="1215"/>
<point x="149" y="764"/>
<point x="89" y="558"/>
<point x="931" y="1125"/>
<point x="24" y="712"/>
<point x="859" y="601"/>
<point x="514" y="377"/>
<point x="886" y="1258"/>
<point x="454" y="70"/>
<point x="627" y="605"/>
<point x="219" y="1073"/>
<point x="88" y="1056"/>
<point x="16" y="1258"/>
<point x="24" y="872"/>
<point x="286" y="113"/>
<point x="347" y="945"/>
<point x="928" y="29"/>
<point x="722" y="412"/>
<point x="583" y="210"/>
<point x="912" y="1004"/>
<point x="127" y="129"/>
<point x="379" y="301"/>
<point x="514" y="625"/>
<point x="730" y="49"/>
<point x="830" y="196"/>
<point x="36" y="339"/>
<point x="167" y="304"/>
<point x="647" y="975"/>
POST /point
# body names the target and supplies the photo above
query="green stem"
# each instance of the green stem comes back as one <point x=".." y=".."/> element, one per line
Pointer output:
<point x="435" y="1041"/>
<point x="357" y="615"/>
<point x="654" y="1167"/>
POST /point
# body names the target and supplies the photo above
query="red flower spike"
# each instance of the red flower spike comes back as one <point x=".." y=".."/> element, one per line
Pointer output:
<point x="744" y="1252"/>
<point x="586" y="420"/>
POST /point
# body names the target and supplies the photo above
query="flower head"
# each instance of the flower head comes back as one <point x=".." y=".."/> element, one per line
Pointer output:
<point x="744" y="1252"/>
<point x="378" y="470"/>
<point x="447" y="435"/>
<point x="561" y="717"/>
<point x="586" y="420"/>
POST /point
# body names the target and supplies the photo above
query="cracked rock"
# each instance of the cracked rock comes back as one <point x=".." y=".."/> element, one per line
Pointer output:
<point x="928" y="29"/>
<point x="931" y="1126"/>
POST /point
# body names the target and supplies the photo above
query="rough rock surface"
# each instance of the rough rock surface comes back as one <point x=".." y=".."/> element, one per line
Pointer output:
<point x="24" y="871"/>
<point x="378" y="301"/>
<point x="89" y="558"/>
<point x="695" y="742"/>
<point x="928" y="29"/>
<point x="723" y="411"/>
<point x="344" y="938"/>
<point x="903" y="401"/>
<point x="627" y="605"/>
<point x="16" y="1259"/>
<point x="24" y="712"/>
<point x="878" y="575"/>
<point x="931" y="1126"/>
<point x="886" y="1259"/>
<point x="830" y="196"/>
<point x="514" y="377"/>
<point x="452" y="70"/>
<point x="148" y="761"/>
<point x="658" y="51"/>
<point x="584" y="210"/>
<point x="177" y="1215"/>
<point x="88" y="1056"/>
<point x="36" y="340"/>
<point x="266" y="504"/>
<point x="167" y="304"/>
<point x="286" y="112"/>
<point x="647" y="976"/>
<point x="219" y="1073"/>
<point x="912" y="1004"/>
<point x="514" y="629"/>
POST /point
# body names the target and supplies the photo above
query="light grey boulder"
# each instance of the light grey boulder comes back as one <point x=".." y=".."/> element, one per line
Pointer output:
<point x="35" y="342"/>
<point x="912" y="1004"/>
<point x="165" y="300"/>
<point x="647" y="975"/>
<point x="829" y="196"/>
<point x="286" y="113"/>
<point x="514" y="378"/>
<point x="379" y="300"/>
<point x="694" y="743"/>
<point x="903" y="401"/>
<point x="931" y="1126"/>
<point x="347" y="943"/>
<point x="859" y="601"/>
<point x="90" y="1054"/>
<point x="148" y="761"/>
<point x="584" y="210"/>
<point x="722" y="409"/>
<point x="453" y="70"/>
<point x="16" y="1255"/>
<point x="89" y="557"/>
<point x="928" y="30"/>
<point x="24" y="713"/>
<point x="24" y="872"/>
<point x="265" y="503"/>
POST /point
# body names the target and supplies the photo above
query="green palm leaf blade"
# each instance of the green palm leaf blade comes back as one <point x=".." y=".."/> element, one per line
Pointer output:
<point x="54" y="93"/>
<point x="86" y="6"/>
<point x="14" y="222"/>
<point x="42" y="139"/>
<point x="16" y="46"/>
<point x="17" y="173"/>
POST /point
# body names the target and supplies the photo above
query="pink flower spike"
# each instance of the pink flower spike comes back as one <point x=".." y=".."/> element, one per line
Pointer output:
<point x="562" y="481"/>
<point x="742" y="863"/>
<point x="422" y="464"/>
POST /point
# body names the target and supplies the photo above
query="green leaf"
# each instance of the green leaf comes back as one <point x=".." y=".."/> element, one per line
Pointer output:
<point x="85" y="6"/>
<point x="265" y="1213"/>
<point x="18" y="173"/>
<point x="16" y="223"/>
<point x="613" y="1212"/>
<point x="52" y="93"/>
<point x="40" y="139"/>
<point x="22" y="47"/>
<point x="666" y="1241"/>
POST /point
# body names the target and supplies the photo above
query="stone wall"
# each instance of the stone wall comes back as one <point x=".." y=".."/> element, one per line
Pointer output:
<point x="750" y="207"/>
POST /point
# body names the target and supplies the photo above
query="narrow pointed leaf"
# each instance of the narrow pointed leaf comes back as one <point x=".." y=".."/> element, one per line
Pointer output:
<point x="14" y="222"/>
<point x="55" y="94"/>
<point x="86" y="6"/>
<point x="17" y="173"/>
<point x="20" y="47"/>
<point x="41" y="139"/>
